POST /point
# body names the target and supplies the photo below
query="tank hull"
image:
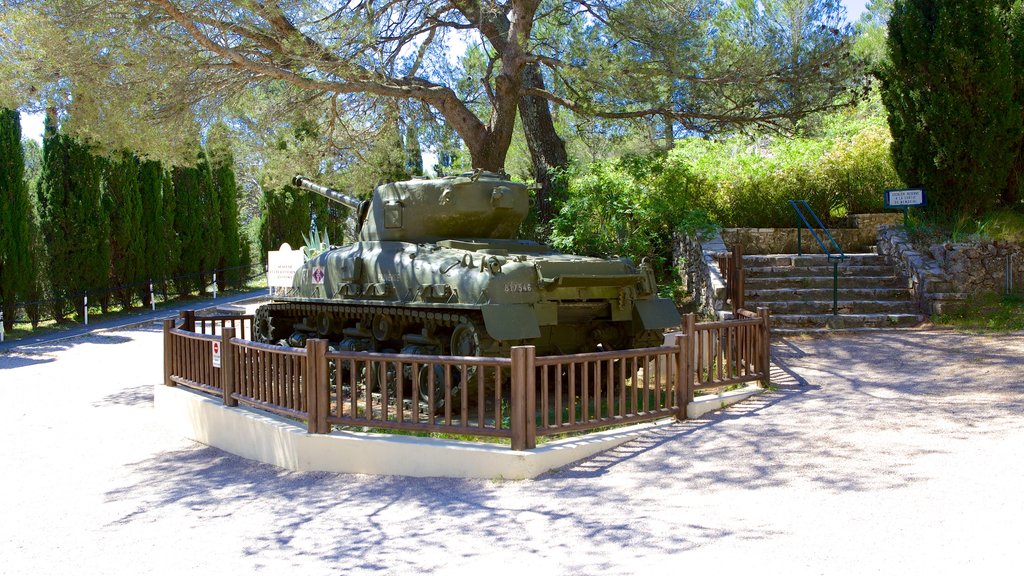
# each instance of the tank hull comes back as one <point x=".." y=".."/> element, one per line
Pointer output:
<point x="393" y="295"/>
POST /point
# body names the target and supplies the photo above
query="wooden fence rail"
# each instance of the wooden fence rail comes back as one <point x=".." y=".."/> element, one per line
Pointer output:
<point x="519" y="398"/>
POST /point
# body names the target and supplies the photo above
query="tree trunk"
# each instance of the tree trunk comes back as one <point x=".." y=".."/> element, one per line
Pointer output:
<point x="547" y="149"/>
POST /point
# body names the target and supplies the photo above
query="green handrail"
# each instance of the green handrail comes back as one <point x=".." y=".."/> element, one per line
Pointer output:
<point x="835" y="259"/>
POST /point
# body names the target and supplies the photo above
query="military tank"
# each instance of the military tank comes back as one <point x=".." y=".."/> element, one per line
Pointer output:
<point x="437" y="269"/>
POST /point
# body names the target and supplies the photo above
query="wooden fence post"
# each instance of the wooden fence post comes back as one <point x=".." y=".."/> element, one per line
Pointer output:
<point x="683" y="353"/>
<point x="168" y="352"/>
<point x="316" y="386"/>
<point x="740" y="279"/>
<point x="522" y="378"/>
<point x="766" y="344"/>
<point x="531" y="398"/>
<point x="188" y="318"/>
<point x="227" y="366"/>
<point x="693" y="349"/>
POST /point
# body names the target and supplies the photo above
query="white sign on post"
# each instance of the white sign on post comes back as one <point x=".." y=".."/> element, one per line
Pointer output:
<point x="216" y="354"/>
<point x="281" y="266"/>
<point x="904" y="198"/>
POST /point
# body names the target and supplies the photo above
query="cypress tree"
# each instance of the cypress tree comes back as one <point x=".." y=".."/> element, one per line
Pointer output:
<point x="210" y="234"/>
<point x="953" y="99"/>
<point x="284" y="217"/>
<point x="15" y="216"/>
<point x="151" y="236"/>
<point x="73" y="222"/>
<point x="172" y="244"/>
<point x="223" y="174"/>
<point x="187" y="229"/>
<point x="124" y="209"/>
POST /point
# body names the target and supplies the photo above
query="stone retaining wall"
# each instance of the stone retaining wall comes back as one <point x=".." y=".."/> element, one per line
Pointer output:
<point x="950" y="274"/>
<point x="698" y="270"/>
<point x="858" y="236"/>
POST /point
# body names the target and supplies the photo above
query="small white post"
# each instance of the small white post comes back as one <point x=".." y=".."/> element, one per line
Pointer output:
<point x="1" y="325"/>
<point x="214" y="285"/>
<point x="86" y="299"/>
<point x="152" y="297"/>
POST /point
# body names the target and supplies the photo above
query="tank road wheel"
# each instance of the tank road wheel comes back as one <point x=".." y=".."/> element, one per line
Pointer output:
<point x="261" y="325"/>
<point x="465" y="340"/>
<point x="433" y="377"/>
<point x="270" y="329"/>
<point x="468" y="340"/>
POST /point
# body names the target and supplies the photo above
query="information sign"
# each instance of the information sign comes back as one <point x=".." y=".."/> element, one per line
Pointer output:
<point x="907" y="198"/>
<point x="281" y="266"/>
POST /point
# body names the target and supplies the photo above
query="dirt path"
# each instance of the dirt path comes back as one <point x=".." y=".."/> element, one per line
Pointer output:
<point x="888" y="453"/>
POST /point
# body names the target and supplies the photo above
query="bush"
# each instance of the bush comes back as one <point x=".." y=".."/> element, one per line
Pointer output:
<point x="631" y="206"/>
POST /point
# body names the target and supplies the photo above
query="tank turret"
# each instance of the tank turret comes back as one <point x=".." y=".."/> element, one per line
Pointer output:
<point x="477" y="205"/>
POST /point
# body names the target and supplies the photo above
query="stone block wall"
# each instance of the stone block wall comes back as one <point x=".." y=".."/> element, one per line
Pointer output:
<point x="951" y="274"/>
<point x="858" y="236"/>
<point x="698" y="270"/>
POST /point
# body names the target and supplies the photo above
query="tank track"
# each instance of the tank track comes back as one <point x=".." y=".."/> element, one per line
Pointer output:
<point x="433" y="320"/>
<point x="436" y="321"/>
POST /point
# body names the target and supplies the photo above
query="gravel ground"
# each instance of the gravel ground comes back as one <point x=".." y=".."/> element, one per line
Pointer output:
<point x="890" y="452"/>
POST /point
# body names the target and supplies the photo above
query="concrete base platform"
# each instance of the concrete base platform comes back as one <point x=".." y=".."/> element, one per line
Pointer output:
<point x="274" y="440"/>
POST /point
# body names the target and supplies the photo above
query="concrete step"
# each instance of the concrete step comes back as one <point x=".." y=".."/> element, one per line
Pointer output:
<point x="783" y="323"/>
<point x="811" y="307"/>
<point x="768" y="295"/>
<point x="887" y="281"/>
<point x="843" y="271"/>
<point x="859" y="259"/>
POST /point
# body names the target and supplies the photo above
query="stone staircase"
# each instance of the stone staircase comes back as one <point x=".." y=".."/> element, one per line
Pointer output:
<point x="798" y="290"/>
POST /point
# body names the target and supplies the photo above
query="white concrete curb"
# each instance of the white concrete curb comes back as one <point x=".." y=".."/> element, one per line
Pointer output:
<point x="275" y="440"/>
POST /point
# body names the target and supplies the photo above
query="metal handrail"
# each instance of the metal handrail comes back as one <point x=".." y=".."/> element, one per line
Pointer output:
<point x="834" y="258"/>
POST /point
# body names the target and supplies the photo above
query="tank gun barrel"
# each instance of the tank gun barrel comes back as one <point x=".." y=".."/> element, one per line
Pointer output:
<point x="329" y="193"/>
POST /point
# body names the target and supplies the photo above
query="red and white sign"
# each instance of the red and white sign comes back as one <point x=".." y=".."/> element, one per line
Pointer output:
<point x="216" y="354"/>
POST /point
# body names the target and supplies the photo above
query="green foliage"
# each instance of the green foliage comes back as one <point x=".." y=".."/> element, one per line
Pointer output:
<point x="288" y="213"/>
<point x="226" y="190"/>
<point x="73" y="222"/>
<point x="315" y="244"/>
<point x="123" y="202"/>
<point x="151" y="235"/>
<point x="952" y="88"/>
<point x="16" y="247"/>
<point x="625" y="207"/>
<point x="631" y="206"/>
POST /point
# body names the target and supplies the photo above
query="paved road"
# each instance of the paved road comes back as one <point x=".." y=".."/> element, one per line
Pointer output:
<point x="125" y="322"/>
<point x="882" y="453"/>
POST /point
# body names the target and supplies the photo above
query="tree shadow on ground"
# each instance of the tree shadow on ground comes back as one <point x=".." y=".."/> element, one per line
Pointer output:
<point x="837" y="419"/>
<point x="12" y="361"/>
<point x="137" y="396"/>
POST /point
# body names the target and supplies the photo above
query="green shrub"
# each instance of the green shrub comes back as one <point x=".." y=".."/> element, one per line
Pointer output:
<point x="631" y="206"/>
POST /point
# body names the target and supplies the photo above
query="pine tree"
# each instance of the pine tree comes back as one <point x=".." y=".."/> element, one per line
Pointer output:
<point x="123" y="200"/>
<point x="15" y="216"/>
<point x="954" y="109"/>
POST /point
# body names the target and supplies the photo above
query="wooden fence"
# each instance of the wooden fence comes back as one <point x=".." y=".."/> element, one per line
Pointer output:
<point x="731" y="266"/>
<point x="519" y="398"/>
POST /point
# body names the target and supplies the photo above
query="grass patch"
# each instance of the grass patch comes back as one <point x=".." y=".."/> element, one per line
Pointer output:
<point x="990" y="313"/>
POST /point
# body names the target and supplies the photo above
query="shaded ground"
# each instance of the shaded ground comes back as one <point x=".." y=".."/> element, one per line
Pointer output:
<point x="891" y="453"/>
